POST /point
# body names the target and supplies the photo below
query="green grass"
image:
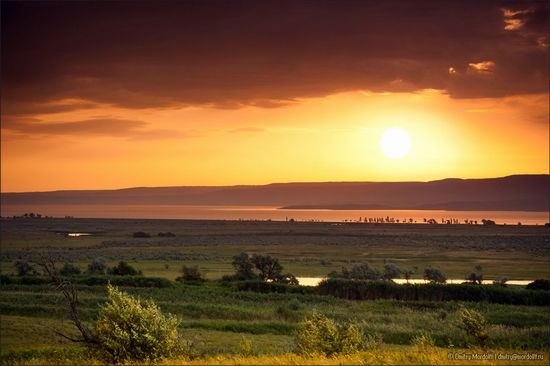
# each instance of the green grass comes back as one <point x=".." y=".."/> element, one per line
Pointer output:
<point x="215" y="308"/>
<point x="219" y="319"/>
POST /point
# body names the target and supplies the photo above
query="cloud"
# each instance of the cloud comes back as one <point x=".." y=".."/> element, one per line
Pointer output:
<point x="230" y="54"/>
<point x="122" y="128"/>
<point x="248" y="129"/>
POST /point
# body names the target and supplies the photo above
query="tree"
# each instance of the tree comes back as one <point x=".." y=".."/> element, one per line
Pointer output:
<point x="475" y="278"/>
<point x="364" y="272"/>
<point x="24" y="268"/>
<point x="269" y="267"/>
<point x="434" y="275"/>
<point x="98" y="266"/>
<point x="407" y="273"/>
<point x="390" y="272"/>
<point x="129" y="329"/>
<point x="243" y="267"/>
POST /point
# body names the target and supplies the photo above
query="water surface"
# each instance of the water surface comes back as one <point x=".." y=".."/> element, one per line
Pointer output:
<point x="270" y="213"/>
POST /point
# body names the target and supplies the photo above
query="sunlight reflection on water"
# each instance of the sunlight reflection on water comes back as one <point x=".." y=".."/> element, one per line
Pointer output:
<point x="314" y="281"/>
<point x="269" y="213"/>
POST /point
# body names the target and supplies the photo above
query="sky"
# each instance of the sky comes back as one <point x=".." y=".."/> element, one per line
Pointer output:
<point x="108" y="95"/>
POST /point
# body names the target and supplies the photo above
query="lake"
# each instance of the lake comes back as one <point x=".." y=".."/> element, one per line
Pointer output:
<point x="269" y="213"/>
<point x="314" y="281"/>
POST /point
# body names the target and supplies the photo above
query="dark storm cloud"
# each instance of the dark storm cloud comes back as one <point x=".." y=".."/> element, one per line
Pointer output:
<point x="267" y="53"/>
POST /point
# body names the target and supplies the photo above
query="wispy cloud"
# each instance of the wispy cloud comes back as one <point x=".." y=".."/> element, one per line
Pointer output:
<point x="121" y="128"/>
<point x="248" y="129"/>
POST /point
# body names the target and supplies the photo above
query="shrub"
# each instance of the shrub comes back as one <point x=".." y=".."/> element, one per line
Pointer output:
<point x="191" y="274"/>
<point x="69" y="269"/>
<point x="141" y="234"/>
<point x="501" y="282"/>
<point x="538" y="285"/>
<point x="473" y="323"/>
<point x="98" y="266"/>
<point x="24" y="268"/>
<point x="132" y="330"/>
<point x="319" y="335"/>
<point x="423" y="342"/>
<point x="124" y="269"/>
<point x="288" y="279"/>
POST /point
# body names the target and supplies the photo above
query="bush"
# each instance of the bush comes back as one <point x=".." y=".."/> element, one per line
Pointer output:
<point x="319" y="335"/>
<point x="132" y="330"/>
<point x="124" y="269"/>
<point x="423" y="342"/>
<point x="473" y="323"/>
<point x="24" y="268"/>
<point x="538" y="285"/>
<point x="191" y="274"/>
<point x="69" y="269"/>
<point x="97" y="267"/>
<point x="141" y="234"/>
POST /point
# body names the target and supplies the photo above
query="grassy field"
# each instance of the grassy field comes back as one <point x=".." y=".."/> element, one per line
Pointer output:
<point x="308" y="249"/>
<point x="229" y="327"/>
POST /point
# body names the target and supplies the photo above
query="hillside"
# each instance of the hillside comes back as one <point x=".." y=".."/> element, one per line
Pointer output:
<point x="512" y="193"/>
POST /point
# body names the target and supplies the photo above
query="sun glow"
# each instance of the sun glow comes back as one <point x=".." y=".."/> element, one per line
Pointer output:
<point x="395" y="143"/>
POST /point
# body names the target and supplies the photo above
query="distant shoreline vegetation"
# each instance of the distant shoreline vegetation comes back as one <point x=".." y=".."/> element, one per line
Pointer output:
<point x="448" y="206"/>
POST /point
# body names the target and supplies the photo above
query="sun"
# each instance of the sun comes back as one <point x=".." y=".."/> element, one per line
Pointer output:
<point x="395" y="143"/>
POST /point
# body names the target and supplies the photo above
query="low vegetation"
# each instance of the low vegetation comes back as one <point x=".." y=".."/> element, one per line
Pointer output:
<point x="234" y="300"/>
<point x="129" y="329"/>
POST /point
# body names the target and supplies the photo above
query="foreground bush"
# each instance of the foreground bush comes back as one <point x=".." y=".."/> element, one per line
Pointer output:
<point x="319" y="335"/>
<point x="474" y="324"/>
<point x="130" y="329"/>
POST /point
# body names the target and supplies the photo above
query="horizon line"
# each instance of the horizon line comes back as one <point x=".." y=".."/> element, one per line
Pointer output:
<point x="267" y="184"/>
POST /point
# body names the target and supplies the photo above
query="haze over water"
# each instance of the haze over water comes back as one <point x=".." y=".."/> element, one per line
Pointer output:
<point x="269" y="213"/>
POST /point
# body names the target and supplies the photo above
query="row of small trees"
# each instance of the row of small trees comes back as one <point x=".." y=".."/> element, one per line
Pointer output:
<point x="364" y="271"/>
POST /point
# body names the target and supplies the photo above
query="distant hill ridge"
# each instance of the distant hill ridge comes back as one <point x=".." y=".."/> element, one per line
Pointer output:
<point x="511" y="193"/>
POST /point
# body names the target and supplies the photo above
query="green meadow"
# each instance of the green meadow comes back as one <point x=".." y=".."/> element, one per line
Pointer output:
<point x="223" y="325"/>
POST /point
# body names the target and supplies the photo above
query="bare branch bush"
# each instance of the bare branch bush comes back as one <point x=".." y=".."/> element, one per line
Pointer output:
<point x="69" y="290"/>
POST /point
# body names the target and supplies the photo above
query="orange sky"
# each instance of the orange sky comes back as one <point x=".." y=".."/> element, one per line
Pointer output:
<point x="114" y="104"/>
